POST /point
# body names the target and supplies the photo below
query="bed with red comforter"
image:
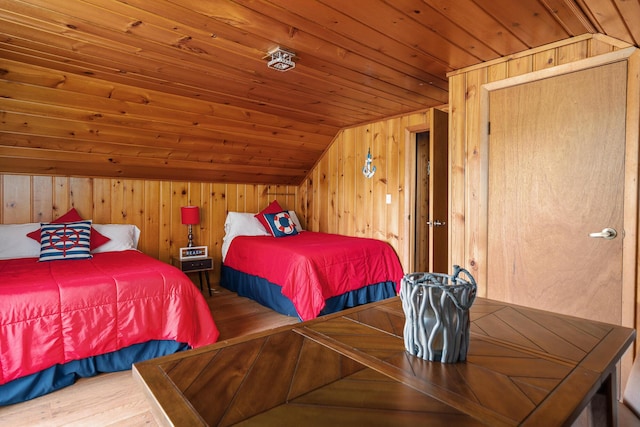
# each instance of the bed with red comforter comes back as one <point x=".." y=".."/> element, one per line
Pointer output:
<point x="311" y="273"/>
<point x="65" y="319"/>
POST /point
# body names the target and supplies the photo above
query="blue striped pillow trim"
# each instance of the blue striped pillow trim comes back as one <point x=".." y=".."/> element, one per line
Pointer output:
<point x="66" y="240"/>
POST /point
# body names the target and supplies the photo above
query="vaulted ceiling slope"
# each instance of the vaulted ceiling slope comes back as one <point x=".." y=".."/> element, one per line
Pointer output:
<point x="179" y="89"/>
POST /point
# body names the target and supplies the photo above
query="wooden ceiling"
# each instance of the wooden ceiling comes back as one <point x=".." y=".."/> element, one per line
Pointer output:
<point x="179" y="89"/>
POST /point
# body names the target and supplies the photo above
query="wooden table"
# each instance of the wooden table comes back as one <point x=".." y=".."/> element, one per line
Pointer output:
<point x="524" y="367"/>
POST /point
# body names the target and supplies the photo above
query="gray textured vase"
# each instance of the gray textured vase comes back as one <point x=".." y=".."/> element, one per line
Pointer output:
<point x="436" y="307"/>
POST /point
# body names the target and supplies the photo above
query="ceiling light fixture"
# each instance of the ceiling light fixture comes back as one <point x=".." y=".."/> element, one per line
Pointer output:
<point x="281" y="60"/>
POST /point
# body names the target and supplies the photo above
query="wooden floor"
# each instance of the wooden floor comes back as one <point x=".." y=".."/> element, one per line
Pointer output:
<point x="115" y="399"/>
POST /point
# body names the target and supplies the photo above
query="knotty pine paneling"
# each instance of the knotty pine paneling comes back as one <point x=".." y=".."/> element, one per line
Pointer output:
<point x="337" y="198"/>
<point x="467" y="233"/>
<point x="468" y="160"/>
<point x="153" y="206"/>
<point x="66" y="124"/>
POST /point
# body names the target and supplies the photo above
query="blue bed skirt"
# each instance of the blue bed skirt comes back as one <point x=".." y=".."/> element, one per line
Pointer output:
<point x="269" y="295"/>
<point x="60" y="376"/>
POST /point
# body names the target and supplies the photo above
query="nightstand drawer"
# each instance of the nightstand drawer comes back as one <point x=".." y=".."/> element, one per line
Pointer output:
<point x="202" y="266"/>
<point x="197" y="264"/>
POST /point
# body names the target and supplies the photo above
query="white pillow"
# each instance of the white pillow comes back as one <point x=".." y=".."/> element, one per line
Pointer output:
<point x="246" y="224"/>
<point x="243" y="224"/>
<point x="296" y="221"/>
<point x="14" y="242"/>
<point x="123" y="237"/>
<point x="240" y="224"/>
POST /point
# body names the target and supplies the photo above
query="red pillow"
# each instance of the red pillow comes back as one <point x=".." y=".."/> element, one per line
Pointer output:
<point x="97" y="239"/>
<point x="273" y="208"/>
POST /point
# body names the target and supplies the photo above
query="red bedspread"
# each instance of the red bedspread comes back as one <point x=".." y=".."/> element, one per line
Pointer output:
<point x="312" y="267"/>
<point x="58" y="311"/>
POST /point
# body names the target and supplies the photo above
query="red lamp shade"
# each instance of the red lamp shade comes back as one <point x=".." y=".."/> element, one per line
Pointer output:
<point x="190" y="214"/>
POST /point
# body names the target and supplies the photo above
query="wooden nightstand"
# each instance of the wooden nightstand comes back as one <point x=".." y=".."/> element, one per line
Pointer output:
<point x="199" y="265"/>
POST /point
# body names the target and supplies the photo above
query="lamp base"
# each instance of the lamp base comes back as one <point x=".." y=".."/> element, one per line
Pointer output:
<point x="190" y="237"/>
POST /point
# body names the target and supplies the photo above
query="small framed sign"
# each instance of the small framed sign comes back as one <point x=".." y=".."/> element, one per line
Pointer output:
<point x="193" y="252"/>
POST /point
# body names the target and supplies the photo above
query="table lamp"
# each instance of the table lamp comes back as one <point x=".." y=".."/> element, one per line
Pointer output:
<point x="190" y="216"/>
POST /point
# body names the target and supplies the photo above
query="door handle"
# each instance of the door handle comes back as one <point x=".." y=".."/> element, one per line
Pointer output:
<point x="606" y="233"/>
<point x="436" y="223"/>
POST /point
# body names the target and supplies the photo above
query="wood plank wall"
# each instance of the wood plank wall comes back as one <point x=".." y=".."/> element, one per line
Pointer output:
<point x="468" y="245"/>
<point x="467" y="216"/>
<point x="63" y="123"/>
<point x="337" y="198"/>
<point x="153" y="206"/>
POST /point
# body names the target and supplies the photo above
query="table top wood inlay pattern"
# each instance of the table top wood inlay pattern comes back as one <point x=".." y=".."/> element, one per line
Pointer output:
<point x="524" y="367"/>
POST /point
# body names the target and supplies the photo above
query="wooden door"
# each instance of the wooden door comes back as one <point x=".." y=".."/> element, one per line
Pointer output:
<point x="439" y="193"/>
<point x="432" y="196"/>
<point x="422" y="256"/>
<point x="555" y="175"/>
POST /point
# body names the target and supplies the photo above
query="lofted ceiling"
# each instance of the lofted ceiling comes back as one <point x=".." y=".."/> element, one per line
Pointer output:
<point x="179" y="89"/>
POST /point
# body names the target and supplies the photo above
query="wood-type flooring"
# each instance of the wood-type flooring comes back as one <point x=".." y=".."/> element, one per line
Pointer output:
<point x="115" y="399"/>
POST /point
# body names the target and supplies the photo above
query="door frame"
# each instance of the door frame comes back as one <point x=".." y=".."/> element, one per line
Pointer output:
<point x="410" y="185"/>
<point x="630" y="209"/>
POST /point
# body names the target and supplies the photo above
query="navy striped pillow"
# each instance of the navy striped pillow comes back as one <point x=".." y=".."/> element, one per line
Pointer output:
<point x="66" y="240"/>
